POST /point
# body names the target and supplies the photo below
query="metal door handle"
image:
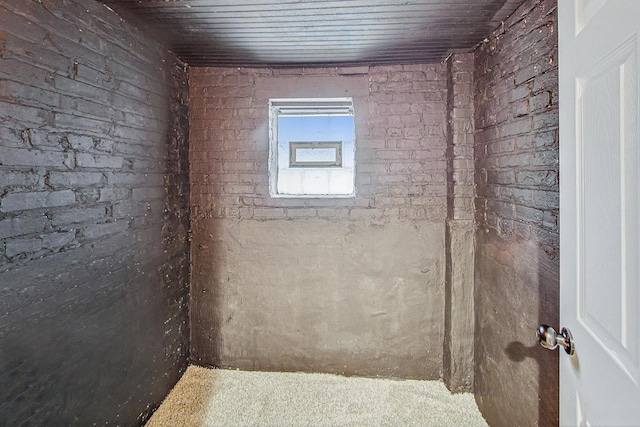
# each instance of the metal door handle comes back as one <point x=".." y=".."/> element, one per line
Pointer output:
<point x="549" y="338"/>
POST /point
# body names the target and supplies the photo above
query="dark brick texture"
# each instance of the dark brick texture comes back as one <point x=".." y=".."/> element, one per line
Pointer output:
<point x="517" y="242"/>
<point x="400" y="126"/>
<point x="94" y="216"/>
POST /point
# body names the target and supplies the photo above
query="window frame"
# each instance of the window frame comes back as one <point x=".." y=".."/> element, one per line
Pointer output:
<point x="300" y="107"/>
<point x="294" y="146"/>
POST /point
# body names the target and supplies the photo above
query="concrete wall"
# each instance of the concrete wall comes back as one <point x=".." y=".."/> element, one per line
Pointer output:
<point x="93" y="217"/>
<point x="352" y="286"/>
<point x="517" y="244"/>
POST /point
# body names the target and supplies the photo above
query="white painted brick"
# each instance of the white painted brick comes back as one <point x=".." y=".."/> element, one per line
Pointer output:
<point x="35" y="200"/>
<point x="86" y="160"/>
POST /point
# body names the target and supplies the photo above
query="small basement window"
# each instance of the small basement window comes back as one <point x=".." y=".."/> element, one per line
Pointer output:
<point x="311" y="147"/>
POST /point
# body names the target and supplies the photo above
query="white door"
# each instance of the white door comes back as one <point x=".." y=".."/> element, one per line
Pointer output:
<point x="599" y="196"/>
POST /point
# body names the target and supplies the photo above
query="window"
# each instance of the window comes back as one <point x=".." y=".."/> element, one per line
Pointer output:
<point x="312" y="146"/>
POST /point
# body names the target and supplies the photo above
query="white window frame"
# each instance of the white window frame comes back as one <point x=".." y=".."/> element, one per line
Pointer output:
<point x="295" y="146"/>
<point x="306" y="107"/>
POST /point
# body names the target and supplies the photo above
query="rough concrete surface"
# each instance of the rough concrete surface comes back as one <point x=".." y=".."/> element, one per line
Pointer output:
<point x="516" y="290"/>
<point x="313" y="295"/>
<point x="459" y="309"/>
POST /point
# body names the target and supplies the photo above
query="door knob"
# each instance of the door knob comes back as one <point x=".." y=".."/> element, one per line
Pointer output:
<point x="549" y="338"/>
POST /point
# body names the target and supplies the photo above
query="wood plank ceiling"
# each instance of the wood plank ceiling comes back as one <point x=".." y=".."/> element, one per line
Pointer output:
<point x="280" y="33"/>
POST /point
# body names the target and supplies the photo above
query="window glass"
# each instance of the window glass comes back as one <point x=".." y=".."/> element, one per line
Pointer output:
<point x="312" y="148"/>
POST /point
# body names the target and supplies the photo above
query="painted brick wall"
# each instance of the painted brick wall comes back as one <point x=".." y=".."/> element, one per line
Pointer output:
<point x="320" y="284"/>
<point x="94" y="216"/>
<point x="400" y="126"/>
<point x="517" y="242"/>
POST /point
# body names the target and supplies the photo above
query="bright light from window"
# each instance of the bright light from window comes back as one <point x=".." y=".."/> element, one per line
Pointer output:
<point x="312" y="145"/>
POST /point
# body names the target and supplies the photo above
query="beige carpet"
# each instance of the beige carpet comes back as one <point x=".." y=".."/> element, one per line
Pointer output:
<point x="215" y="397"/>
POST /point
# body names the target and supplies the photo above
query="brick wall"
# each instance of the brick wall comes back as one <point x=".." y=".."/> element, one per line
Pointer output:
<point x="517" y="127"/>
<point x="94" y="216"/>
<point x="299" y="284"/>
<point x="400" y="127"/>
<point x="517" y="244"/>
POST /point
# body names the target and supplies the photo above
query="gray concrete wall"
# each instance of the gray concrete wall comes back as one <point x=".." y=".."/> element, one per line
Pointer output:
<point x="517" y="245"/>
<point x="352" y="286"/>
<point x="516" y="380"/>
<point x="94" y="217"/>
<point x="338" y="296"/>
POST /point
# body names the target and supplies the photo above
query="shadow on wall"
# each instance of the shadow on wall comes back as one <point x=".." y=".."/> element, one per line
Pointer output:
<point x="546" y="360"/>
<point x="516" y="290"/>
<point x="548" y="384"/>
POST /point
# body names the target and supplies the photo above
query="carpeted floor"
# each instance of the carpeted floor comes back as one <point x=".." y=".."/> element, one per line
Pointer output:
<point x="214" y="397"/>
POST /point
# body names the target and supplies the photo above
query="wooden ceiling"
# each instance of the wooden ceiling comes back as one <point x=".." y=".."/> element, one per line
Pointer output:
<point x="284" y="33"/>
